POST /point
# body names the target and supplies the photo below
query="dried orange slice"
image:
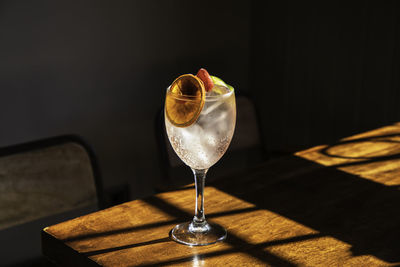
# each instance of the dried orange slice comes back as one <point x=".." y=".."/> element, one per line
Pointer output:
<point x="185" y="100"/>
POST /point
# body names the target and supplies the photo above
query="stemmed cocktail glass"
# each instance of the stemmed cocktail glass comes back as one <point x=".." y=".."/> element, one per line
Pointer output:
<point x="200" y="117"/>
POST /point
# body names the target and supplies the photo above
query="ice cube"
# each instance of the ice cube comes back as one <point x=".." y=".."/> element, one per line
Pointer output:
<point x="211" y="106"/>
<point x="191" y="133"/>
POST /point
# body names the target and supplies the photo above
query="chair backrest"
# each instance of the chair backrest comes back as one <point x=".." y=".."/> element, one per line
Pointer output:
<point x="45" y="178"/>
<point x="245" y="150"/>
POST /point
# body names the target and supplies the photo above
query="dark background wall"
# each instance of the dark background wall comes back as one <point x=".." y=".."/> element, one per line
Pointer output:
<point x="317" y="70"/>
<point x="100" y="69"/>
<point x="323" y="70"/>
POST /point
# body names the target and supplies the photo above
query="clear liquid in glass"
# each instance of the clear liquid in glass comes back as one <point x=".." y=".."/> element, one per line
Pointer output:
<point x="203" y="143"/>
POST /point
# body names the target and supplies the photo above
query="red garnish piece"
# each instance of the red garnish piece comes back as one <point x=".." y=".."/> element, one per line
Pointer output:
<point x="206" y="79"/>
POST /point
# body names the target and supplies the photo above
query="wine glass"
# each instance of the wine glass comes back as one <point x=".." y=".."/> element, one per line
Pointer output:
<point x="200" y="143"/>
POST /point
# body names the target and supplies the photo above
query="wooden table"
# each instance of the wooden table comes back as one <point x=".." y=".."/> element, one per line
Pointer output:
<point x="334" y="205"/>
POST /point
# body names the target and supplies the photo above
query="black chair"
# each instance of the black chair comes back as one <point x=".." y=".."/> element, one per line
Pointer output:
<point x="42" y="183"/>
<point x="245" y="150"/>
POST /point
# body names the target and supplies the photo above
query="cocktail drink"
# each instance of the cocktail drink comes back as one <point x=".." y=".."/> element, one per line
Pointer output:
<point x="203" y="143"/>
<point x="200" y="117"/>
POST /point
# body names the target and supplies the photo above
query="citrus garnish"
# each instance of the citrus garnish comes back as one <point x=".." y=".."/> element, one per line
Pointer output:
<point x="219" y="81"/>
<point x="185" y="100"/>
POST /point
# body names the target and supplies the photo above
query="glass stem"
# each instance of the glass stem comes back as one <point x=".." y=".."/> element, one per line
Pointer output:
<point x="199" y="220"/>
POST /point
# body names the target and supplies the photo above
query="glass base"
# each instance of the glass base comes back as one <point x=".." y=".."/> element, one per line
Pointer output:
<point x="209" y="234"/>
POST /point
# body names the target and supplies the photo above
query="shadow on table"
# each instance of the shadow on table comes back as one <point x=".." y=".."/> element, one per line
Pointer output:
<point x="353" y="209"/>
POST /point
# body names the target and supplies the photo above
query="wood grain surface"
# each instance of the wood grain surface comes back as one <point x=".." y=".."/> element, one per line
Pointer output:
<point x="335" y="205"/>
